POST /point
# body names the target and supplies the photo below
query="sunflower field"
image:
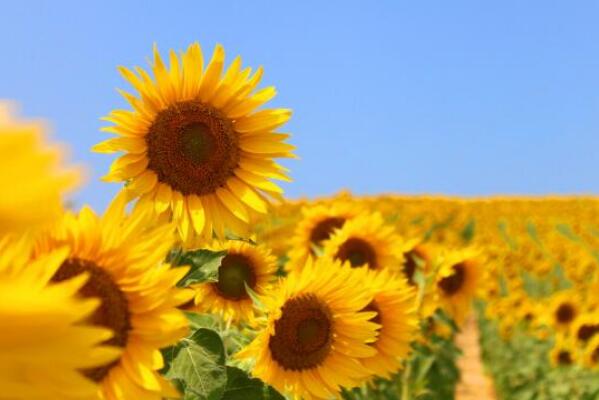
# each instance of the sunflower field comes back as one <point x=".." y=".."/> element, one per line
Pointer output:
<point x="201" y="281"/>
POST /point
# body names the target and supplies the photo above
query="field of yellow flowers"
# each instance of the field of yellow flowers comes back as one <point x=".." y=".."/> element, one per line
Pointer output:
<point x="201" y="281"/>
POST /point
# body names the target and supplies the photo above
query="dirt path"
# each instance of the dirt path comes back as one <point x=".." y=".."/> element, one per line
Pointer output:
<point x="474" y="385"/>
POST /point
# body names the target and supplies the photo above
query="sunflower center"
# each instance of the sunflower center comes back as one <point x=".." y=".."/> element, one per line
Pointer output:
<point x="564" y="313"/>
<point x="113" y="312"/>
<point x="303" y="333"/>
<point x="324" y="229"/>
<point x="452" y="284"/>
<point x="358" y="252"/>
<point x="411" y="265"/>
<point x="192" y="148"/>
<point x="587" y="331"/>
<point x="234" y="273"/>
<point x="564" y="357"/>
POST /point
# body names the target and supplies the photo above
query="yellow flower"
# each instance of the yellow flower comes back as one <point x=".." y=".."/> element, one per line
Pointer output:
<point x="124" y="261"/>
<point x="591" y="353"/>
<point x="366" y="241"/>
<point x="316" y="332"/>
<point x="196" y="148"/>
<point x="33" y="179"/>
<point x="563" y="353"/>
<point x="394" y="303"/>
<point x="562" y="309"/>
<point x="585" y="326"/>
<point x="457" y="282"/>
<point x="317" y="225"/>
<point x="43" y="345"/>
<point x="417" y="258"/>
<point x="243" y="264"/>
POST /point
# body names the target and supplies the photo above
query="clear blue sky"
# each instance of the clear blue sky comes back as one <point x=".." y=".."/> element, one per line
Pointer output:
<point x="454" y="97"/>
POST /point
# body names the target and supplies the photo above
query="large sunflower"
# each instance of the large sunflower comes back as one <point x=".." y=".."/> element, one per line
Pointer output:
<point x="123" y="259"/>
<point x="244" y="264"/>
<point x="317" y="225"/>
<point x="395" y="307"/>
<point x="457" y="282"/>
<point x="197" y="149"/>
<point x="33" y="179"/>
<point x="366" y="241"/>
<point x="317" y="330"/>
<point x="43" y="345"/>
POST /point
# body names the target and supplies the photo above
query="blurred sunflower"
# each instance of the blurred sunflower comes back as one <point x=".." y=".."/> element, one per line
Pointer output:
<point x="457" y="282"/>
<point x="32" y="174"/>
<point x="562" y="309"/>
<point x="563" y="353"/>
<point x="124" y="261"/>
<point x="197" y="149"/>
<point x="416" y="257"/>
<point x="43" y="345"/>
<point x="317" y="225"/>
<point x="394" y="304"/>
<point x="366" y="241"/>
<point x="585" y="326"/>
<point x="591" y="353"/>
<point x="244" y="264"/>
<point x="317" y="330"/>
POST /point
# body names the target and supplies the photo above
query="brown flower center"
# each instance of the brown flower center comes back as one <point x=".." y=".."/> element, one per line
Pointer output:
<point x="413" y="259"/>
<point x="303" y="334"/>
<point x="324" y="229"/>
<point x="452" y="284"/>
<point x="358" y="252"/>
<point x="587" y="331"/>
<point x="564" y="357"/>
<point x="192" y="148"/>
<point x="113" y="312"/>
<point x="565" y="313"/>
<point x="234" y="273"/>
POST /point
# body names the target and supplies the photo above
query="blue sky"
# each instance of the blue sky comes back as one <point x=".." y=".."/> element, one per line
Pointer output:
<point x="453" y="97"/>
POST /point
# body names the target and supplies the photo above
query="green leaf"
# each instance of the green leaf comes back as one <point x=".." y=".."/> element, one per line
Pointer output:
<point x="469" y="230"/>
<point x="241" y="387"/>
<point x="199" y="366"/>
<point x="204" y="266"/>
<point x="199" y="320"/>
<point x="567" y="231"/>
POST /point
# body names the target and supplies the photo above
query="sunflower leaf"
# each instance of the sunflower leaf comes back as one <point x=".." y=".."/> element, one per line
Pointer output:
<point x="198" y="368"/>
<point x="204" y="265"/>
<point x="241" y="387"/>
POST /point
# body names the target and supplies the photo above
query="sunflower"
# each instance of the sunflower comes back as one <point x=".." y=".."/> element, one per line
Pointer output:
<point x="591" y="353"/>
<point x="366" y="241"/>
<point x="417" y="258"/>
<point x="317" y="225"/>
<point x="197" y="149"/>
<point x="394" y="304"/>
<point x="33" y="177"/>
<point x="457" y="282"/>
<point x="244" y="264"/>
<point x="562" y="310"/>
<point x="123" y="259"/>
<point x="43" y="345"/>
<point x="585" y="326"/>
<point x="317" y="330"/>
<point x="563" y="353"/>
